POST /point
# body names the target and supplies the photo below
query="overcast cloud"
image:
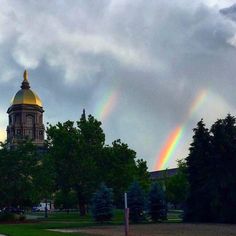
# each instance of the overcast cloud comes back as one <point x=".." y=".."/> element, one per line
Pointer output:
<point x="155" y="55"/>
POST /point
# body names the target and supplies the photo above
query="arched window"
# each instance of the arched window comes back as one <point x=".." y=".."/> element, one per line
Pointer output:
<point x="17" y="118"/>
<point x="40" y="119"/>
<point x="29" y="120"/>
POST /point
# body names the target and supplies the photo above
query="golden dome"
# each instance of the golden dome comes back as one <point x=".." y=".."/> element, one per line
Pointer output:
<point x="26" y="95"/>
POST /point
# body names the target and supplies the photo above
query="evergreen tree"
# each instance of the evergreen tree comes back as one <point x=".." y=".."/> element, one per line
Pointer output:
<point x="211" y="173"/>
<point x="223" y="170"/>
<point x="198" y="204"/>
<point x="156" y="203"/>
<point x="136" y="202"/>
<point x="102" y="208"/>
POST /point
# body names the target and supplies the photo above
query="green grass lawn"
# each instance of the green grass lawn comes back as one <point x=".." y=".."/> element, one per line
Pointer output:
<point x="61" y="220"/>
<point x="55" y="220"/>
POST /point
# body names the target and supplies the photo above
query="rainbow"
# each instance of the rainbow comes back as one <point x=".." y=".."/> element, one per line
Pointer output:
<point x="106" y="105"/>
<point x="164" y="156"/>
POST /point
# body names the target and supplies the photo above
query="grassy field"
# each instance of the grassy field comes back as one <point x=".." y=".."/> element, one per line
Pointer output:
<point x="84" y="226"/>
<point x="57" y="220"/>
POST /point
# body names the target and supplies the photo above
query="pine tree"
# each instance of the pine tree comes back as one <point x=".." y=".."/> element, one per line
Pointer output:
<point x="211" y="173"/>
<point x="156" y="203"/>
<point x="198" y="204"/>
<point x="136" y="201"/>
<point x="223" y="169"/>
<point x="102" y="208"/>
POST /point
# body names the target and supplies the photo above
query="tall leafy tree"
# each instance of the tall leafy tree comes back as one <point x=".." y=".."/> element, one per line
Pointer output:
<point x="142" y="174"/>
<point x="91" y="140"/>
<point x="177" y="186"/>
<point x="62" y="140"/>
<point x="81" y="161"/>
<point x="118" y="169"/>
<point x="76" y="151"/>
<point x="45" y="179"/>
<point x="19" y="168"/>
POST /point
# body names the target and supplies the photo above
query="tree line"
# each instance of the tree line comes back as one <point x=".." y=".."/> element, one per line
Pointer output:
<point x="74" y="164"/>
<point x="210" y="169"/>
<point x="77" y="161"/>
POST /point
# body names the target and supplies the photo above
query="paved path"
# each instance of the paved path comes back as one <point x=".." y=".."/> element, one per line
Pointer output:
<point x="32" y="217"/>
<point x="177" y="229"/>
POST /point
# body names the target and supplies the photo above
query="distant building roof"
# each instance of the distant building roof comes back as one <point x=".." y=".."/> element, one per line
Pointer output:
<point x="161" y="174"/>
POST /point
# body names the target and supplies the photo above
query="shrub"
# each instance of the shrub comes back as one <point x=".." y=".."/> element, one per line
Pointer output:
<point x="8" y="216"/>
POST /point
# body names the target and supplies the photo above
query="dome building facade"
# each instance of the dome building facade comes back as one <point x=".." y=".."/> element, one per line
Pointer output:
<point x="25" y="116"/>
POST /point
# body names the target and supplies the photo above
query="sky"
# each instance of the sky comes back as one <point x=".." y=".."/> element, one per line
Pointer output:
<point x="144" y="68"/>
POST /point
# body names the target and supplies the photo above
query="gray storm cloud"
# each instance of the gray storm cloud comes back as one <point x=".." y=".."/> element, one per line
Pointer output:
<point x="157" y="54"/>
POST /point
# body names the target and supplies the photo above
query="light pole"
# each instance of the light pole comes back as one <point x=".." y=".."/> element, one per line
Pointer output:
<point x="126" y="215"/>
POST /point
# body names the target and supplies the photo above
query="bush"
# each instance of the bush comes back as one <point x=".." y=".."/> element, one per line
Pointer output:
<point x="102" y="208"/>
<point x="9" y="216"/>
<point x="22" y="218"/>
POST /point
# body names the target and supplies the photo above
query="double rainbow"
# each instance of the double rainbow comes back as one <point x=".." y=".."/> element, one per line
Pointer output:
<point x="164" y="156"/>
<point x="106" y="105"/>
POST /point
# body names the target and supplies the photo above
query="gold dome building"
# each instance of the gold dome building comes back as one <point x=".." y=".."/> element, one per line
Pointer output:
<point x="25" y="116"/>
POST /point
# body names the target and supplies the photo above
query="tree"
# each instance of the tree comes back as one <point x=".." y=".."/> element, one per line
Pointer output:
<point x="223" y="175"/>
<point x="45" y="179"/>
<point x="156" y="203"/>
<point x="177" y="186"/>
<point x="136" y="202"/>
<point x="211" y="173"/>
<point x="142" y="174"/>
<point x="62" y="140"/>
<point x="118" y="169"/>
<point x="91" y="141"/>
<point x="68" y="201"/>
<point x="102" y="208"/>
<point x="19" y="168"/>
<point x="75" y="152"/>
<point x="82" y="162"/>
<point x="198" y="204"/>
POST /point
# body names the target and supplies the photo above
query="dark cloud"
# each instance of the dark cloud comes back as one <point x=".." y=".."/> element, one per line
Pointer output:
<point x="156" y="55"/>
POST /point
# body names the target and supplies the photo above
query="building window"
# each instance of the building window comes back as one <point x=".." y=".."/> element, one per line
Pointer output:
<point x="29" y="133"/>
<point x="40" y="119"/>
<point x="29" y="120"/>
<point x="17" y="119"/>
